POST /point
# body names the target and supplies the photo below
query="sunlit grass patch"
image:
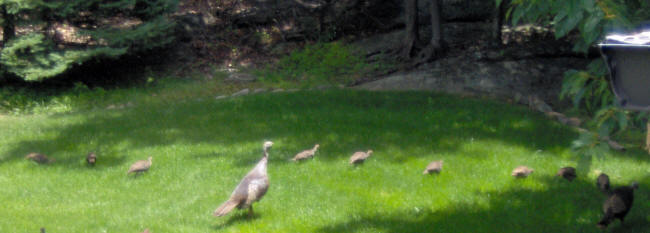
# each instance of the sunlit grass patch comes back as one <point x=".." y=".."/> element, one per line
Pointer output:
<point x="202" y="148"/>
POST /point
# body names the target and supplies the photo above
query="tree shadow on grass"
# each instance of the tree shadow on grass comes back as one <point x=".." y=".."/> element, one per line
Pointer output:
<point x="341" y="121"/>
<point x="562" y="207"/>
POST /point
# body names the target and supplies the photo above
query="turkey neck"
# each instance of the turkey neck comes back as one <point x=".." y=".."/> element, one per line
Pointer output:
<point x="261" y="165"/>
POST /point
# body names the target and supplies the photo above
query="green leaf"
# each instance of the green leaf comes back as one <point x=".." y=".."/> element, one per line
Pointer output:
<point x="517" y="14"/>
<point x="562" y="13"/>
<point x="563" y="27"/>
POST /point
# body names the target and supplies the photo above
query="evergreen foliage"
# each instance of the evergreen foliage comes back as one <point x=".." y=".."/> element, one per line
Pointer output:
<point x="94" y="29"/>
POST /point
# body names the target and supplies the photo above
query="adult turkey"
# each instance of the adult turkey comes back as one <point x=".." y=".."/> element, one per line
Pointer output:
<point x="306" y="154"/>
<point x="359" y="156"/>
<point x="617" y="205"/>
<point x="250" y="189"/>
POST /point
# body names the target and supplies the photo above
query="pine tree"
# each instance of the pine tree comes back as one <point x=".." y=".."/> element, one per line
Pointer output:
<point x="56" y="35"/>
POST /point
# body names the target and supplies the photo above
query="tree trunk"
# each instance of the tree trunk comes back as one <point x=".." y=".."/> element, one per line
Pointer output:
<point x="411" y="18"/>
<point x="497" y="23"/>
<point x="435" y="45"/>
<point x="436" y="28"/>
<point x="8" y="26"/>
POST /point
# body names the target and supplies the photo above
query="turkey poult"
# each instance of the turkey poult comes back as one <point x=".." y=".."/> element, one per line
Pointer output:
<point x="39" y="158"/>
<point x="618" y="204"/>
<point x="359" y="156"/>
<point x="522" y="172"/>
<point x="306" y="154"/>
<point x="433" y="167"/>
<point x="603" y="183"/>
<point x="568" y="173"/>
<point x="250" y="189"/>
<point x="91" y="158"/>
<point x="140" y="166"/>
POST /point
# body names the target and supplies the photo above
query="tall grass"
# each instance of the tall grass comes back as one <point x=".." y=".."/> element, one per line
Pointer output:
<point x="202" y="148"/>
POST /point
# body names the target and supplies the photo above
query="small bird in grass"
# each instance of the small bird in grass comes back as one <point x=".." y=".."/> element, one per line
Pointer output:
<point x="91" y="158"/>
<point x="42" y="229"/>
<point x="306" y="154"/>
<point x="602" y="182"/>
<point x="39" y="158"/>
<point x="146" y="231"/>
<point x="522" y="172"/>
<point x="568" y="173"/>
<point x="617" y="205"/>
<point x="433" y="167"/>
<point x="359" y="156"/>
<point x="250" y="189"/>
<point x="140" y="166"/>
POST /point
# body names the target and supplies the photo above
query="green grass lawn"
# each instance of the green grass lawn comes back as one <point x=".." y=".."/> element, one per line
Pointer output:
<point x="202" y="148"/>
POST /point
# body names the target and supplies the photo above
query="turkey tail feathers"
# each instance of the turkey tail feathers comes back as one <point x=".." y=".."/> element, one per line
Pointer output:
<point x="225" y="208"/>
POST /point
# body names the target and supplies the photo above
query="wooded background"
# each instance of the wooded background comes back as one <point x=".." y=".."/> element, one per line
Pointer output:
<point x="107" y="42"/>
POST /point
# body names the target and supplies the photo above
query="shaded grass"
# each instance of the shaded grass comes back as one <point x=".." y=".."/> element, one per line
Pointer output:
<point x="46" y="98"/>
<point x="201" y="149"/>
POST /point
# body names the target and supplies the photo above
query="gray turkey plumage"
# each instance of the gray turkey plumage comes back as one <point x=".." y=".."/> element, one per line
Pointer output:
<point x="91" y="158"/>
<point x="306" y="154"/>
<point x="568" y="173"/>
<point x="140" y="166"/>
<point x="250" y="189"/>
<point x="617" y="205"/>
<point x="602" y="182"/>
<point x="433" y="167"/>
<point x="359" y="156"/>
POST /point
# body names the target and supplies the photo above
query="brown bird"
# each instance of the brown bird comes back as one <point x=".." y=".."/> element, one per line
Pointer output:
<point x="435" y="166"/>
<point x="91" y="158"/>
<point x="306" y="154"/>
<point x="140" y="166"/>
<point x="522" y="172"/>
<point x="359" y="156"/>
<point x="250" y="189"/>
<point x="39" y="158"/>
<point x="617" y="205"/>
<point x="146" y="231"/>
<point x="568" y="173"/>
<point x="602" y="182"/>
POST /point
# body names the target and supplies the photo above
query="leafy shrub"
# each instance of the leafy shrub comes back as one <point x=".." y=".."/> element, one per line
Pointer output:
<point x="589" y="89"/>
